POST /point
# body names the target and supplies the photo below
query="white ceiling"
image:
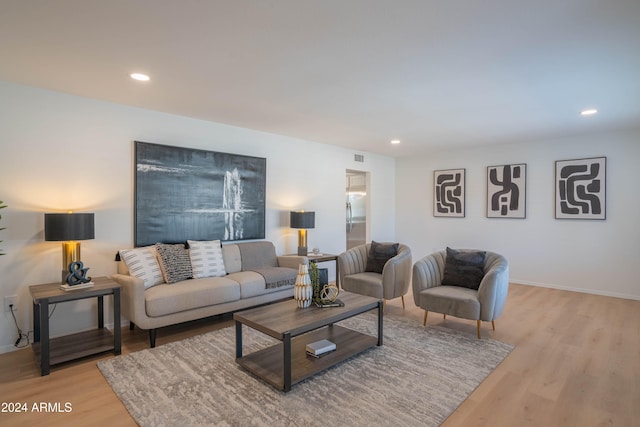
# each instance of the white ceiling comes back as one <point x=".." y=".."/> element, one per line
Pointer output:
<point x="355" y="73"/>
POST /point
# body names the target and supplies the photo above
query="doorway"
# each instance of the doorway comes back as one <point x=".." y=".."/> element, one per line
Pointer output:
<point x="356" y="208"/>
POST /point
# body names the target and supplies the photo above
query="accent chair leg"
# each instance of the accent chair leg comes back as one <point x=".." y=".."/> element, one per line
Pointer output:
<point x="493" y="323"/>
<point x="444" y="316"/>
<point x="131" y="326"/>
<point x="152" y="338"/>
<point x="402" y="297"/>
<point x="424" y="322"/>
<point x="479" y="329"/>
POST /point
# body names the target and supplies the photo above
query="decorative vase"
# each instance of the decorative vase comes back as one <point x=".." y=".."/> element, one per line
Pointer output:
<point x="303" y="291"/>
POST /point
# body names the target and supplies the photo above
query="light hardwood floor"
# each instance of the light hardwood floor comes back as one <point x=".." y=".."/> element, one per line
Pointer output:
<point x="576" y="363"/>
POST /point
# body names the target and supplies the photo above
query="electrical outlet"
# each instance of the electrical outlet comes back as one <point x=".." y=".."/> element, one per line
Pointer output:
<point x="10" y="300"/>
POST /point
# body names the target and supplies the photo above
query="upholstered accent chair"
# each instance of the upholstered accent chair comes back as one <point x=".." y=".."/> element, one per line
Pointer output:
<point x="393" y="281"/>
<point x="484" y="304"/>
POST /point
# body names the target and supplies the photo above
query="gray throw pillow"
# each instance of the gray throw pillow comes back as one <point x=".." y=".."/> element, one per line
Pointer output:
<point x="379" y="254"/>
<point x="464" y="268"/>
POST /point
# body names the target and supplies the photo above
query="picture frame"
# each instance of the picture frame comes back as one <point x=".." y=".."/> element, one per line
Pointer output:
<point x="580" y="188"/>
<point x="185" y="194"/>
<point x="449" y="193"/>
<point x="506" y="191"/>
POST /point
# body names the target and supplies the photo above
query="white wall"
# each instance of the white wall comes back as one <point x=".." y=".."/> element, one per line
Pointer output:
<point x="61" y="152"/>
<point x="590" y="256"/>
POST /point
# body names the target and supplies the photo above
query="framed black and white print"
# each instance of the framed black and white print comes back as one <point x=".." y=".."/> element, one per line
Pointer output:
<point x="506" y="191"/>
<point x="183" y="193"/>
<point x="581" y="188"/>
<point x="448" y="193"/>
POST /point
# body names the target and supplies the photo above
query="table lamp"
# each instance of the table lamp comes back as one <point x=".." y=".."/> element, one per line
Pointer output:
<point x="68" y="228"/>
<point x="302" y="221"/>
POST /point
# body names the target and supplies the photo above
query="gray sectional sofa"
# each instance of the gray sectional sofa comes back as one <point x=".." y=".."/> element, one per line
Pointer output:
<point x="248" y="266"/>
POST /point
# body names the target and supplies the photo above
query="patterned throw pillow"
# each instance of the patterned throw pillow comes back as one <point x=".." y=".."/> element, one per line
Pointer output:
<point x="206" y="258"/>
<point x="464" y="268"/>
<point x="143" y="264"/>
<point x="174" y="262"/>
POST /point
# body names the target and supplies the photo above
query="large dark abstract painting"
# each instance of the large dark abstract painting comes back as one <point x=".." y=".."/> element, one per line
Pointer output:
<point x="183" y="193"/>
<point x="581" y="189"/>
<point x="506" y="187"/>
<point x="449" y="193"/>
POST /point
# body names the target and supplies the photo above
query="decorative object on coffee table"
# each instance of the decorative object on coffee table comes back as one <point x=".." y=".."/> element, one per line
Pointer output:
<point x="303" y="291"/>
<point x="329" y="293"/>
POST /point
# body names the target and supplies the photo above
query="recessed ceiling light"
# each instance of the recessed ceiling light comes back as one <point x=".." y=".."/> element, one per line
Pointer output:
<point x="139" y="76"/>
<point x="589" y="112"/>
<point x="395" y="141"/>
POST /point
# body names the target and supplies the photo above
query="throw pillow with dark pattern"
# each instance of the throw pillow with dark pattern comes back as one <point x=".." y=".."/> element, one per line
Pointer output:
<point x="464" y="268"/>
<point x="379" y="254"/>
<point x="175" y="262"/>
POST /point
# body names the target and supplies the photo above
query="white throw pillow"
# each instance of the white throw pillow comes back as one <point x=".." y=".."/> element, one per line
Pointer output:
<point x="206" y="258"/>
<point x="143" y="264"/>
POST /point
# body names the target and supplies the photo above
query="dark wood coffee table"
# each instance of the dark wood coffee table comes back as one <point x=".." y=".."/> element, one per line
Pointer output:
<point x="287" y="363"/>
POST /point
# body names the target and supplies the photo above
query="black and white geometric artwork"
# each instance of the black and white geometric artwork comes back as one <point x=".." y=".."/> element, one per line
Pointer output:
<point x="581" y="189"/>
<point x="506" y="187"/>
<point x="448" y="193"/>
<point x="188" y="194"/>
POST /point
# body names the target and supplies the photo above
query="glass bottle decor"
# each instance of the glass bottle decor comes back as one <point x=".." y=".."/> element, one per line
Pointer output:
<point x="303" y="291"/>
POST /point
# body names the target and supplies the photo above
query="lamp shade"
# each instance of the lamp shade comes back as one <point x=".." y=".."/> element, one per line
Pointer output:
<point x="302" y="219"/>
<point x="68" y="226"/>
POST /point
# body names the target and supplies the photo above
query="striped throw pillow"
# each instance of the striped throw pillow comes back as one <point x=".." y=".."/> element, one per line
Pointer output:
<point x="143" y="264"/>
<point x="206" y="258"/>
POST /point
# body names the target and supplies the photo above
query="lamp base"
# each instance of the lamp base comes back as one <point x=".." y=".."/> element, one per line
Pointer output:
<point x="302" y="251"/>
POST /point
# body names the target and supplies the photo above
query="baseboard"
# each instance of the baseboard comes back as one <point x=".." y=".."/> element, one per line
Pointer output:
<point x="581" y="290"/>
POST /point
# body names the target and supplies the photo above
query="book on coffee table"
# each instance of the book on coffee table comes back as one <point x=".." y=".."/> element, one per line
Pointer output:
<point x="318" y="348"/>
<point x="336" y="303"/>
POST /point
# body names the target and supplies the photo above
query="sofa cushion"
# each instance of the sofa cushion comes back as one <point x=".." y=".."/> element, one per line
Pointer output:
<point x="231" y="256"/>
<point x="143" y="264"/>
<point x="454" y="300"/>
<point x="257" y="255"/>
<point x="367" y="283"/>
<point x="206" y="258"/>
<point x="379" y="254"/>
<point x="174" y="262"/>
<point x="464" y="268"/>
<point x="185" y="295"/>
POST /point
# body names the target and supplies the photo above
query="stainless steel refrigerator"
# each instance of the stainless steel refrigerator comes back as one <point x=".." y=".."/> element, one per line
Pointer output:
<point x="356" y="205"/>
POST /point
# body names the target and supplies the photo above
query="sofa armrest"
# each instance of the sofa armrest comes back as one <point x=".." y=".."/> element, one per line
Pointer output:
<point x="352" y="261"/>
<point x="292" y="261"/>
<point x="493" y="289"/>
<point x="132" y="298"/>
<point x="396" y="274"/>
<point x="427" y="273"/>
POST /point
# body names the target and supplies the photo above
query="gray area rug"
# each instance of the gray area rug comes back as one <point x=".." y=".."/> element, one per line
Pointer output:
<point x="417" y="378"/>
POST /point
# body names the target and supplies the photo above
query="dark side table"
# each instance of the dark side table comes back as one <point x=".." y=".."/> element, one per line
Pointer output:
<point x="74" y="346"/>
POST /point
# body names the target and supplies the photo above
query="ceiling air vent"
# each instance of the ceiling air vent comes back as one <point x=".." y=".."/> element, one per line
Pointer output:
<point x="358" y="158"/>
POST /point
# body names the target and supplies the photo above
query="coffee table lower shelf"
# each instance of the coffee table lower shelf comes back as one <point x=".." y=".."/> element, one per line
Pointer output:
<point x="268" y="365"/>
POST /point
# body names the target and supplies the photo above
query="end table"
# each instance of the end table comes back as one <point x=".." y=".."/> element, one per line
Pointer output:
<point x="71" y="347"/>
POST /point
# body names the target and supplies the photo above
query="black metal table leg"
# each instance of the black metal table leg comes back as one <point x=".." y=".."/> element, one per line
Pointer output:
<point x="117" y="331"/>
<point x="238" y="340"/>
<point x="44" y="337"/>
<point x="286" y="348"/>
<point x="380" y="311"/>
<point x="100" y="312"/>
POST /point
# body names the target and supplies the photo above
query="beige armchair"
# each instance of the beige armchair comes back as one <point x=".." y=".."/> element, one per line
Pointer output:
<point x="484" y="304"/>
<point x="393" y="282"/>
